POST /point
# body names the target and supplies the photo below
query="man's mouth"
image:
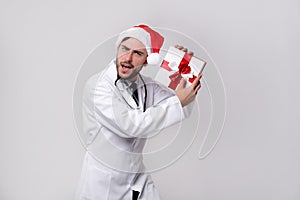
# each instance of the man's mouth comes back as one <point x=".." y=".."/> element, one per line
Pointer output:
<point x="126" y="67"/>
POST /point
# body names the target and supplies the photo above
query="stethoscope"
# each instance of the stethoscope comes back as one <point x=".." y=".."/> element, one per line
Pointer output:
<point x="145" y="90"/>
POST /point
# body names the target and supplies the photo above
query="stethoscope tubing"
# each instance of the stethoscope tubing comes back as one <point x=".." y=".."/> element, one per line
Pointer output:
<point x="145" y="90"/>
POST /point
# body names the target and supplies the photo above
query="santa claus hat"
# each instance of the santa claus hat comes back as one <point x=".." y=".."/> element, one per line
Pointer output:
<point x="150" y="38"/>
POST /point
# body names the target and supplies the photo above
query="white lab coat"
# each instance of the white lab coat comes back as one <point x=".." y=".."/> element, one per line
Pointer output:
<point x="116" y="134"/>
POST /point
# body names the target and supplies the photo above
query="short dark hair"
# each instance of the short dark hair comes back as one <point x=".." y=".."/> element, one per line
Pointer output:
<point x="124" y="39"/>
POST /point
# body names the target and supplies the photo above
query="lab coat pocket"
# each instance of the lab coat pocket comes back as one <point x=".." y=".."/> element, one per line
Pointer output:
<point x="97" y="184"/>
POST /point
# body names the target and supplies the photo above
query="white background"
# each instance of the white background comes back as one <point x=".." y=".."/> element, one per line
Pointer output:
<point x="255" y="45"/>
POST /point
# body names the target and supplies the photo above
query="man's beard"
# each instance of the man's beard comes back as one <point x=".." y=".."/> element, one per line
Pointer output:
<point x="127" y="65"/>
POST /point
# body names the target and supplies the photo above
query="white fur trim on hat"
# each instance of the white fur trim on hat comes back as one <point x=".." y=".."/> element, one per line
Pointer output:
<point x="139" y="34"/>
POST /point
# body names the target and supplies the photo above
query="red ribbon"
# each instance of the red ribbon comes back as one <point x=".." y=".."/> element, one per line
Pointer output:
<point x="165" y="65"/>
<point x="183" y="68"/>
<point x="175" y="80"/>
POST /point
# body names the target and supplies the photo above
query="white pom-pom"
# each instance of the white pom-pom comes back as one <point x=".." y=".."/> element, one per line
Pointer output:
<point x="153" y="59"/>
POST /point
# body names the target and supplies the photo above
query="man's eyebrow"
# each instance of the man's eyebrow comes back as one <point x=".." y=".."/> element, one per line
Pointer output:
<point x="124" y="46"/>
<point x="135" y="51"/>
<point x="138" y="52"/>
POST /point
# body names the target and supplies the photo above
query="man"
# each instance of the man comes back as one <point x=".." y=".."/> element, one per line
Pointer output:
<point x="121" y="108"/>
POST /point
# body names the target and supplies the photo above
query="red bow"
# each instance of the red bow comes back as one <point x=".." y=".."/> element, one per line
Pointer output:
<point x="183" y="68"/>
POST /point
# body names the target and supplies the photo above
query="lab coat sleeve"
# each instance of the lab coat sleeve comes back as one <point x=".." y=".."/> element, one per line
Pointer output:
<point x="112" y="112"/>
<point x="162" y="93"/>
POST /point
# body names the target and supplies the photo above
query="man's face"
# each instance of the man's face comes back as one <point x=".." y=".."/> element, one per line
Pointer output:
<point x="131" y="57"/>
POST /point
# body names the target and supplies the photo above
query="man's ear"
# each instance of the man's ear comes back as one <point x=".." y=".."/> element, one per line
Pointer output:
<point x="145" y="63"/>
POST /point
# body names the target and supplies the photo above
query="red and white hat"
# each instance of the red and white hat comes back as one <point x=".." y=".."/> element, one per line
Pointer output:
<point x="152" y="40"/>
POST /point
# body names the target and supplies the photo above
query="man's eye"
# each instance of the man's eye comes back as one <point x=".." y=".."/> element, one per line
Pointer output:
<point x="138" y="53"/>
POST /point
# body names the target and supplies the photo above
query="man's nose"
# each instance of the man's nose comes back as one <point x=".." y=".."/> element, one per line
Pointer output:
<point x="129" y="56"/>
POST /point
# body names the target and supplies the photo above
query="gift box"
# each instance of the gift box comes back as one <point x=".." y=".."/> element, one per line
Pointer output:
<point x="176" y="65"/>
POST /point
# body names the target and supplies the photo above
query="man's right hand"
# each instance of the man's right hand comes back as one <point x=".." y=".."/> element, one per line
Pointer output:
<point x="187" y="95"/>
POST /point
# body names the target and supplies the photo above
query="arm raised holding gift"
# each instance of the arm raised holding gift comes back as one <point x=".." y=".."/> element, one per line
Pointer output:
<point x="187" y="94"/>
